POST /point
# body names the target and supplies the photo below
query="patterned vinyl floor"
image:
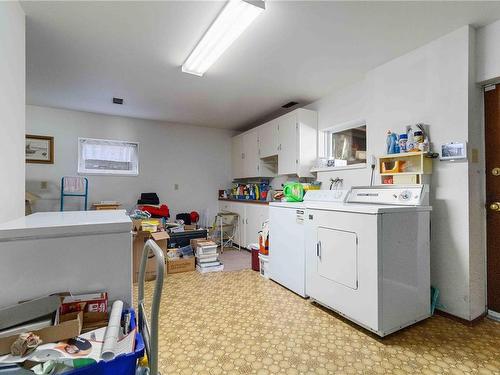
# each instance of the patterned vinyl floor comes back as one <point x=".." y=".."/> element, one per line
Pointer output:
<point x="239" y="323"/>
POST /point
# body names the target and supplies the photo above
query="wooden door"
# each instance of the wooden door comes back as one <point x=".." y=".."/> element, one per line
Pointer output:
<point x="492" y="144"/>
<point x="287" y="155"/>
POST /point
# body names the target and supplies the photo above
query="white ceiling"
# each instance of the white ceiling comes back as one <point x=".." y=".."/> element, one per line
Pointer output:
<point x="81" y="54"/>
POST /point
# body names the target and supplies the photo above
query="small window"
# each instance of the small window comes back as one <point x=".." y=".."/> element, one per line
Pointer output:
<point x="102" y="156"/>
<point x="346" y="146"/>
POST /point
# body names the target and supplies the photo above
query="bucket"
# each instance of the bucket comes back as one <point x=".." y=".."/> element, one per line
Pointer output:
<point x="264" y="265"/>
<point x="254" y="248"/>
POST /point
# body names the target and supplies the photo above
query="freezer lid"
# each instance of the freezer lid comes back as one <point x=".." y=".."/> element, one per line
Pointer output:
<point x="67" y="223"/>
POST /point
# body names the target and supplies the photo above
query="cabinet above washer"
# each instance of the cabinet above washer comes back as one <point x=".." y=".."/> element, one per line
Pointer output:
<point x="286" y="145"/>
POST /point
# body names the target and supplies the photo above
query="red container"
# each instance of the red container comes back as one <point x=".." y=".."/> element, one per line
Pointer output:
<point x="255" y="259"/>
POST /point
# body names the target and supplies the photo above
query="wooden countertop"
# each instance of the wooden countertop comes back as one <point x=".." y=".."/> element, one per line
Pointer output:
<point x="243" y="201"/>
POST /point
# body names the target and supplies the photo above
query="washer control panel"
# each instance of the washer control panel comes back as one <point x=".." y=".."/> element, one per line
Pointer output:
<point x="410" y="195"/>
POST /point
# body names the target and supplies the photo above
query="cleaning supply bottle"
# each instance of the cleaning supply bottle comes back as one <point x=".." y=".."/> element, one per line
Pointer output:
<point x="391" y="141"/>
<point x="293" y="192"/>
<point x="410" y="143"/>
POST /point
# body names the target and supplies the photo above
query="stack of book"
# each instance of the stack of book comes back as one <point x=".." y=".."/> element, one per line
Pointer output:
<point x="207" y="256"/>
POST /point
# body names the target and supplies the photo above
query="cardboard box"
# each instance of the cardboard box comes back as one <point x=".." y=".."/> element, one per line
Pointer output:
<point x="190" y="227"/>
<point x="62" y="331"/>
<point x="90" y="321"/>
<point x="140" y="239"/>
<point x="180" y="265"/>
<point x="90" y="302"/>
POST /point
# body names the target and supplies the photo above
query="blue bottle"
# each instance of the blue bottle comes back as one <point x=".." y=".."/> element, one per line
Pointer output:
<point x="392" y="143"/>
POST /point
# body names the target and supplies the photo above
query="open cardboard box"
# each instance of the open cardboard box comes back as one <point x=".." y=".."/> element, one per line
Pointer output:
<point x="140" y="239"/>
<point x="90" y="320"/>
<point x="62" y="331"/>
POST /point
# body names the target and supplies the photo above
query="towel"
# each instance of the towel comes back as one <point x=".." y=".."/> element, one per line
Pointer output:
<point x="74" y="185"/>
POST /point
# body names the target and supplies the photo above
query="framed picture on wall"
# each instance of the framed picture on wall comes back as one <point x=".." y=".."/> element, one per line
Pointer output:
<point x="39" y="149"/>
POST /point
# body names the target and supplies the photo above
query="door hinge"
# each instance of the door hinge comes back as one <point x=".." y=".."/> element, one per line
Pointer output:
<point x="296" y="161"/>
<point x="297" y="125"/>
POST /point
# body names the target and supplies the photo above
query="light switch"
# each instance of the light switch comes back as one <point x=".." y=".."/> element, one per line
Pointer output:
<point x="176" y="186"/>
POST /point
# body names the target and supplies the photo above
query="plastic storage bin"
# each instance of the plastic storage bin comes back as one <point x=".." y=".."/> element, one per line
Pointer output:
<point x="254" y="248"/>
<point x="264" y="265"/>
<point x="125" y="364"/>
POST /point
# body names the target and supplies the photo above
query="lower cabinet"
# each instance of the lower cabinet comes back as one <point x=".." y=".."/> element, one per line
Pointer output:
<point x="252" y="215"/>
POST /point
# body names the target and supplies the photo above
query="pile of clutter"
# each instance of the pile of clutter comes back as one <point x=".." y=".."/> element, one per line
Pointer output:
<point x="58" y="333"/>
<point x="207" y="256"/>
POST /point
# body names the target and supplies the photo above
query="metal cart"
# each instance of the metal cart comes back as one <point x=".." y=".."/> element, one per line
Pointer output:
<point x="149" y="329"/>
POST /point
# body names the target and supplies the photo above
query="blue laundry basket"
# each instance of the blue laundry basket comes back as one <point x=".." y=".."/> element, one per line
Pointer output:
<point x="124" y="364"/>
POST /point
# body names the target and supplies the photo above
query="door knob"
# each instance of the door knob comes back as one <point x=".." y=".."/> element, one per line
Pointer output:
<point x="495" y="206"/>
<point x="495" y="171"/>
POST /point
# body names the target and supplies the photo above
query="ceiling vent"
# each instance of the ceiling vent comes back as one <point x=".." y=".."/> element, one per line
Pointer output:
<point x="289" y="105"/>
<point x="117" y="101"/>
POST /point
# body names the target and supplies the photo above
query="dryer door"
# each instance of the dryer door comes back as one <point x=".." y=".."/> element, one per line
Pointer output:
<point x="337" y="253"/>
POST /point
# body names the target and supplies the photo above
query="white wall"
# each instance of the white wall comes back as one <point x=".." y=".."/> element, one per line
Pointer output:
<point x="488" y="53"/>
<point x="430" y="85"/>
<point x="195" y="158"/>
<point x="12" y="101"/>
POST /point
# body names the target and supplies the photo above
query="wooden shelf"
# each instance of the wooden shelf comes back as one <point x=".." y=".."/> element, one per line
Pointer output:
<point x="402" y="155"/>
<point x="401" y="173"/>
<point x="413" y="165"/>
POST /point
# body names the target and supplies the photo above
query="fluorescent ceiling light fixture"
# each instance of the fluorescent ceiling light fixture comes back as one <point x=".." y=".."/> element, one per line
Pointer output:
<point x="236" y="16"/>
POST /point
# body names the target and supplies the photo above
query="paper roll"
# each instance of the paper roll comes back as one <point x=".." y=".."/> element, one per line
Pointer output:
<point x="112" y="334"/>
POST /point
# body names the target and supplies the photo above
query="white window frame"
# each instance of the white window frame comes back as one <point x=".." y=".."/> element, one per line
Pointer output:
<point x="83" y="171"/>
<point x="325" y="136"/>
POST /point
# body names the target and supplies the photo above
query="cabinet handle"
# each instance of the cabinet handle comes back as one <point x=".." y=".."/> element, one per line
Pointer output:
<point x="318" y="249"/>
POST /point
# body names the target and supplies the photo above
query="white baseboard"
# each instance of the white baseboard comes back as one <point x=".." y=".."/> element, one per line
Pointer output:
<point x="494" y="315"/>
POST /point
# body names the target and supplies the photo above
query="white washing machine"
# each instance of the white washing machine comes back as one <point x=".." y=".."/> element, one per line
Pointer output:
<point x="287" y="257"/>
<point x="368" y="258"/>
<point x="287" y="247"/>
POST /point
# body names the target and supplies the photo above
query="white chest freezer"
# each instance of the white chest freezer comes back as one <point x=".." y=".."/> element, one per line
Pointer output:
<point x="76" y="251"/>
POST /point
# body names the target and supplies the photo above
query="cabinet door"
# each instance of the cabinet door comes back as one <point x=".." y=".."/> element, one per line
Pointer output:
<point x="237" y="156"/>
<point x="268" y="139"/>
<point x="287" y="154"/>
<point x="251" y="160"/>
<point x="256" y="214"/>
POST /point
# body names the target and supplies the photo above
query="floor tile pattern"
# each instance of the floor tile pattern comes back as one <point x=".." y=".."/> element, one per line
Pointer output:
<point x="239" y="323"/>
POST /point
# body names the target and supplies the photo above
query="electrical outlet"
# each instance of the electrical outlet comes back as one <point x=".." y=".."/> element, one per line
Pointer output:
<point x="176" y="186"/>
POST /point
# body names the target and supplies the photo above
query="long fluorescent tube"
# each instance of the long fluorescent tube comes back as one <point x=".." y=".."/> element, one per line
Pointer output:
<point x="236" y="16"/>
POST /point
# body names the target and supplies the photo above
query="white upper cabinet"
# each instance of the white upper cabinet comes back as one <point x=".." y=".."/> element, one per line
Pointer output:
<point x="291" y="137"/>
<point x="268" y="139"/>
<point x="288" y="157"/>
<point x="297" y="149"/>
<point x="237" y="154"/>
<point x="251" y="159"/>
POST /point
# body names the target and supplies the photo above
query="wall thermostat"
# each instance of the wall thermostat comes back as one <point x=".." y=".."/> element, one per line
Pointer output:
<point x="454" y="151"/>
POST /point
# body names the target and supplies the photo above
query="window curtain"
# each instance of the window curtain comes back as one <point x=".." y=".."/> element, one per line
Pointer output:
<point x="109" y="151"/>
